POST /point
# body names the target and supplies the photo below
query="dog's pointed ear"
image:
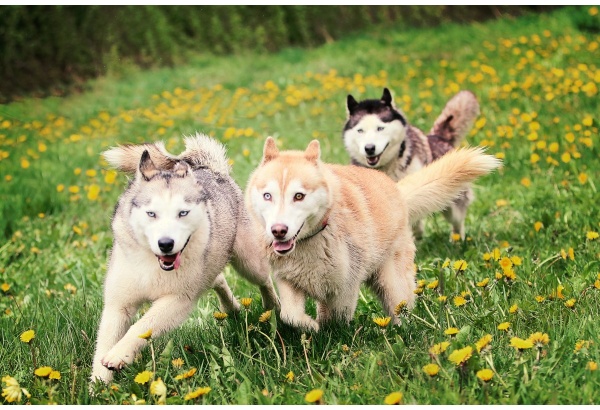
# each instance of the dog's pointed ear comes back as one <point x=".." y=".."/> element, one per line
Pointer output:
<point x="313" y="151"/>
<point x="387" y="97"/>
<point x="181" y="169"/>
<point x="270" y="150"/>
<point x="351" y="105"/>
<point x="147" y="169"/>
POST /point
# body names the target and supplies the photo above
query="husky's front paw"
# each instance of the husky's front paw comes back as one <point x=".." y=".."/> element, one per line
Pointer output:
<point x="117" y="358"/>
<point x="304" y="323"/>
<point x="101" y="374"/>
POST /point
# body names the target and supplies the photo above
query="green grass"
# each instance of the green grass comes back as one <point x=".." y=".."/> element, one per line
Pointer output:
<point x="537" y="80"/>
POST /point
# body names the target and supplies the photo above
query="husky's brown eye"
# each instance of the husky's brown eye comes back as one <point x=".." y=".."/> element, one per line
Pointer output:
<point x="267" y="196"/>
<point x="299" y="196"/>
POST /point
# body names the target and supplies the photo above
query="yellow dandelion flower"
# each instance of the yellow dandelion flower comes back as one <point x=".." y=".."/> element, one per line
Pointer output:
<point x="143" y="377"/>
<point x="498" y="275"/>
<point x="506" y="263"/>
<point x="455" y="237"/>
<point x="539" y="339"/>
<point x="54" y="375"/>
<point x="582" y="177"/>
<point x="485" y="375"/>
<point x="513" y="309"/>
<point x="265" y="316"/>
<point x="459" y="301"/>
<point x="158" y="388"/>
<point x="393" y="398"/>
<point x="5" y="287"/>
<point x="559" y="290"/>
<point x="431" y="369"/>
<point x="93" y="192"/>
<point x="418" y="291"/>
<point x="246" y="302"/>
<point x="504" y="326"/>
<point x="178" y="363"/>
<point x="540" y="299"/>
<point x="443" y="298"/>
<point x="27" y="335"/>
<point x="110" y="176"/>
<point x="460" y="265"/>
<point x="446" y="263"/>
<point x="571" y="254"/>
<point x="197" y="393"/>
<point x="146" y="335"/>
<point x="591" y="235"/>
<point x="510" y="274"/>
<point x="382" y="321"/>
<point x="460" y="356"/>
<point x="570" y="303"/>
<point x="289" y="377"/>
<point x="43" y="371"/>
<point x="220" y="316"/>
<point x="400" y="307"/>
<point x="534" y="158"/>
<point x="313" y="396"/>
<point x="483" y="283"/>
<point x="13" y="392"/>
<point x="187" y="374"/>
<point x="483" y="343"/>
<point x="25" y="163"/>
<point x="592" y="366"/>
<point x="516" y="260"/>
<point x="439" y="348"/>
<point x="582" y="344"/>
<point x="597" y="284"/>
<point x="60" y="188"/>
<point x="521" y="344"/>
<point x="593" y="11"/>
<point x="537" y="226"/>
<point x="526" y="182"/>
<point x="433" y="284"/>
<point x="451" y="331"/>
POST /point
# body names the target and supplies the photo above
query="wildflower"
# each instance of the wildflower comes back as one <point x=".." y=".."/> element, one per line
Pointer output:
<point x="485" y="375"/>
<point x="43" y="371"/>
<point x="439" y="348"/>
<point x="418" y="291"/>
<point x="539" y="339"/>
<point x="314" y="396"/>
<point x="592" y="366"/>
<point x="382" y="321"/>
<point x="290" y="376"/>
<point x="143" y="377"/>
<point x="591" y="235"/>
<point x="537" y="226"/>
<point x="446" y="263"/>
<point x="582" y="177"/>
<point x="433" y="284"/>
<point x="451" y="331"/>
<point x="559" y="293"/>
<point x="265" y="316"/>
<point x="431" y="369"/>
<point x="498" y="275"/>
<point x="146" y="335"/>
<point x="510" y="274"/>
<point x="401" y="307"/>
<point x="5" y="287"/>
<point x="443" y="298"/>
<point x="93" y="192"/>
<point x="526" y="182"/>
<point x="513" y="309"/>
<point x="70" y="288"/>
<point x="246" y="302"/>
<point x="460" y="265"/>
<point x="539" y="299"/>
<point x="220" y="316"/>
<point x="504" y="326"/>
<point x="570" y="303"/>
<point x="483" y="283"/>
<point x="177" y="362"/>
<point x="455" y="237"/>
<point x="197" y="393"/>
<point x="582" y="344"/>
<point x="516" y="260"/>
<point x="597" y="284"/>
<point x="393" y="398"/>
<point x="27" y="335"/>
<point x="13" y="391"/>
<point x="483" y="343"/>
<point x="460" y="356"/>
<point x="158" y="388"/>
<point x="54" y="375"/>
<point x="187" y="374"/>
<point x="521" y="344"/>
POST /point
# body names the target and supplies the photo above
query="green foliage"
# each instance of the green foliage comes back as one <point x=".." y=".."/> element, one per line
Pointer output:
<point x="531" y="230"/>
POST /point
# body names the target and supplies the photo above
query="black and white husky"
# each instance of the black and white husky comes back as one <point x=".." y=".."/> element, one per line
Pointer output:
<point x="377" y="135"/>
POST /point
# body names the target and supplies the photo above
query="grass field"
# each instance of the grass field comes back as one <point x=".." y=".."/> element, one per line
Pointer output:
<point x="531" y="261"/>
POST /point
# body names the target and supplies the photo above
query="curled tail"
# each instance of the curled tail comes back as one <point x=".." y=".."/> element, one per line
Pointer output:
<point x="200" y="151"/>
<point x="457" y="117"/>
<point x="434" y="187"/>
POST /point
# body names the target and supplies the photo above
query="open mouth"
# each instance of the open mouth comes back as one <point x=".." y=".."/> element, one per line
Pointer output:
<point x="284" y="247"/>
<point x="372" y="161"/>
<point x="169" y="262"/>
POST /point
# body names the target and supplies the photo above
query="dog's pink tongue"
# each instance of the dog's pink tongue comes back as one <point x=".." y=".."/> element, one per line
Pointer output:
<point x="282" y="246"/>
<point x="178" y="260"/>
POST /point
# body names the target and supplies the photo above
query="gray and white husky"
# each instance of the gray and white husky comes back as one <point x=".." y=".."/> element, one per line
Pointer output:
<point x="177" y="225"/>
<point x="377" y="135"/>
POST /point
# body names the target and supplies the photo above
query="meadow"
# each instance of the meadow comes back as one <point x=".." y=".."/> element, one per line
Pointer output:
<point x="505" y="317"/>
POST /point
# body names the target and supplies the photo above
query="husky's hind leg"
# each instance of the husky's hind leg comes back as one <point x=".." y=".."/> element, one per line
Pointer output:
<point x="395" y="281"/>
<point x="227" y="301"/>
<point x="457" y="212"/>
<point x="250" y="260"/>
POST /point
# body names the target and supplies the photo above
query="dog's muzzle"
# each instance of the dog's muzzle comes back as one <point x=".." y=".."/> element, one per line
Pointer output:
<point x="171" y="261"/>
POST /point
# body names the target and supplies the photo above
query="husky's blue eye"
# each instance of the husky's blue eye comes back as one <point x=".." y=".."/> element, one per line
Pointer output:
<point x="183" y="213"/>
<point x="267" y="196"/>
<point x="380" y="128"/>
<point x="151" y="214"/>
<point x="360" y="130"/>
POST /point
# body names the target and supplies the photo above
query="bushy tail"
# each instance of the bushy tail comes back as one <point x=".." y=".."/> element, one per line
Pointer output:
<point x="200" y="151"/>
<point x="127" y="157"/>
<point x="434" y="187"/>
<point x="457" y="117"/>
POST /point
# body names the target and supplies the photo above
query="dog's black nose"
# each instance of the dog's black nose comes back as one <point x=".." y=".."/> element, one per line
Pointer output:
<point x="166" y="244"/>
<point x="279" y="231"/>
<point x="370" y="149"/>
